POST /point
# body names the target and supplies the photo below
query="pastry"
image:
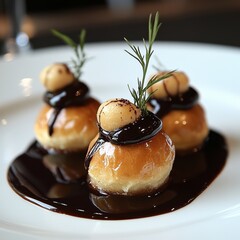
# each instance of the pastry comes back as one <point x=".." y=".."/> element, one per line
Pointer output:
<point x="67" y="121"/>
<point x="176" y="103"/>
<point x="131" y="155"/>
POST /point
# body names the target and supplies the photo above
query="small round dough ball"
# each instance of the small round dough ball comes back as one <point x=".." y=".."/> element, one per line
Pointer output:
<point x="116" y="113"/>
<point x="56" y="76"/>
<point x="172" y="86"/>
<point x="187" y="128"/>
<point x="73" y="130"/>
<point x="132" y="169"/>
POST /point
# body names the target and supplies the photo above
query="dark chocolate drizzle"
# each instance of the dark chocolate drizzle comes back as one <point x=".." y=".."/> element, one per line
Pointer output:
<point x="38" y="182"/>
<point x="185" y="100"/>
<point x="74" y="94"/>
<point x="143" y="129"/>
<point x="52" y="120"/>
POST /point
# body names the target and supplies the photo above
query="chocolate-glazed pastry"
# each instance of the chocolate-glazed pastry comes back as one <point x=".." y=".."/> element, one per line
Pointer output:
<point x="176" y="103"/>
<point x="131" y="154"/>
<point x="67" y="121"/>
<point x="57" y="181"/>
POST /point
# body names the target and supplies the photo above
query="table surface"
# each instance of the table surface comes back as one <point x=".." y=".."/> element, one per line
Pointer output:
<point x="183" y="20"/>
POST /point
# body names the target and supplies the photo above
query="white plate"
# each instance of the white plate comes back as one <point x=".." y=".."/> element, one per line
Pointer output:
<point x="213" y="70"/>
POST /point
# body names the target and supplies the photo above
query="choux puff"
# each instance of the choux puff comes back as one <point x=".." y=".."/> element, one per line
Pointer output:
<point x="186" y="127"/>
<point x="128" y="169"/>
<point x="75" y="126"/>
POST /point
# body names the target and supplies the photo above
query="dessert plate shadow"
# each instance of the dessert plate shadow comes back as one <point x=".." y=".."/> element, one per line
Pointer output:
<point x="213" y="70"/>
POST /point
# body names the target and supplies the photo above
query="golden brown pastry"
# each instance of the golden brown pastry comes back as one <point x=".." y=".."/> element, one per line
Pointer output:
<point x="187" y="128"/>
<point x="128" y="169"/>
<point x="131" y="154"/>
<point x="67" y="122"/>
<point x="74" y="127"/>
<point x="177" y="105"/>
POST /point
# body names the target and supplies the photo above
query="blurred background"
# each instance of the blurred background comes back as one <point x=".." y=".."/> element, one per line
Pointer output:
<point x="28" y="21"/>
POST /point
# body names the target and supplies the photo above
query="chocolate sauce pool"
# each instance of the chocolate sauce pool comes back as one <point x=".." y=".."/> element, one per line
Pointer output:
<point x="58" y="183"/>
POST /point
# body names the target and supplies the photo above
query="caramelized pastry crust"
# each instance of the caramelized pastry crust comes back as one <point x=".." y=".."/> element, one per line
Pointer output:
<point x="74" y="128"/>
<point x="132" y="169"/>
<point x="187" y="128"/>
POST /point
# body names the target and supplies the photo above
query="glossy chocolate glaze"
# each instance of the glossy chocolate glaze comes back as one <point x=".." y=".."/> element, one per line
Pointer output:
<point x="74" y="94"/>
<point x="53" y="183"/>
<point x="144" y="128"/>
<point x="185" y="100"/>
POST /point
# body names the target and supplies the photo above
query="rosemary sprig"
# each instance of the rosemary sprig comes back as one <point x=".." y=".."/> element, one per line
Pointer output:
<point x="159" y="67"/>
<point x="78" y="48"/>
<point x="140" y="96"/>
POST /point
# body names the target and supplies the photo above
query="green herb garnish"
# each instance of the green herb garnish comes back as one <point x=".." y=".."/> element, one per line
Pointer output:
<point x="159" y="67"/>
<point x="140" y="95"/>
<point x="78" y="48"/>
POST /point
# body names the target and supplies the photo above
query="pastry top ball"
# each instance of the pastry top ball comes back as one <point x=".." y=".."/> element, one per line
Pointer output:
<point x="116" y="113"/>
<point x="172" y="86"/>
<point x="56" y="76"/>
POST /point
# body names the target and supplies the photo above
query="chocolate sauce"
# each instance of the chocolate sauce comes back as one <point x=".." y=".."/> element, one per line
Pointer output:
<point x="74" y="94"/>
<point x="52" y="120"/>
<point x="144" y="128"/>
<point x="185" y="100"/>
<point x="53" y="183"/>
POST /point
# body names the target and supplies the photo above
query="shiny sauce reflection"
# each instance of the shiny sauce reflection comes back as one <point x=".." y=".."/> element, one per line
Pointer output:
<point x="59" y="183"/>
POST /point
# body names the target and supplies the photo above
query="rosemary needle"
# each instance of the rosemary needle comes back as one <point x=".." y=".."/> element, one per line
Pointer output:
<point x="78" y="48"/>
